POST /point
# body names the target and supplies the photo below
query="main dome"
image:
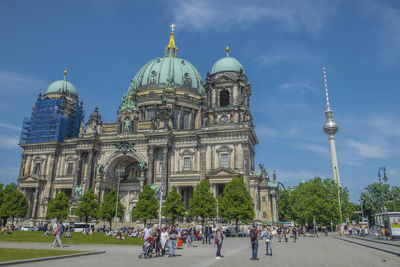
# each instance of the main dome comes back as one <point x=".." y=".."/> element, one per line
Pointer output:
<point x="168" y="71"/>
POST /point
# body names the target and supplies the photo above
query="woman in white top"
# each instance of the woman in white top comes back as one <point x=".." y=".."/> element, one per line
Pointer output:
<point x="164" y="238"/>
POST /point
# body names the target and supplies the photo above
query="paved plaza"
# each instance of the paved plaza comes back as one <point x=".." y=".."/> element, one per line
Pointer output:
<point x="322" y="251"/>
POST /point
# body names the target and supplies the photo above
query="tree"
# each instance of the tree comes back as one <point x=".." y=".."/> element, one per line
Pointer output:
<point x="88" y="207"/>
<point x="173" y="206"/>
<point x="318" y="199"/>
<point x="147" y="205"/>
<point x="203" y="204"/>
<point x="107" y="209"/>
<point x="236" y="203"/>
<point x="285" y="205"/>
<point x="58" y="207"/>
<point x="3" y="213"/>
<point x="376" y="196"/>
<point x="14" y="203"/>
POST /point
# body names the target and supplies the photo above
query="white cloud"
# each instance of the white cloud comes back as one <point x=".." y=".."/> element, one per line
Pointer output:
<point x="294" y="177"/>
<point x="375" y="149"/>
<point x="264" y="131"/>
<point x="12" y="80"/>
<point x="9" y="126"/>
<point x="318" y="149"/>
<point x="219" y="14"/>
<point x="301" y="87"/>
<point x="292" y="55"/>
<point x="8" y="142"/>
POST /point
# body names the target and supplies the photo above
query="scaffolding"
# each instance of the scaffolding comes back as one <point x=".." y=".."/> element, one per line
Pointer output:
<point x="48" y="123"/>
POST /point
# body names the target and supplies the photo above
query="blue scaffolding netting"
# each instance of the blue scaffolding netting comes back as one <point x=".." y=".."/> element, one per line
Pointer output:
<point x="47" y="123"/>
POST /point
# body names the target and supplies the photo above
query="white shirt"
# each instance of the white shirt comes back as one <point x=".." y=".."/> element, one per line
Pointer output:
<point x="147" y="233"/>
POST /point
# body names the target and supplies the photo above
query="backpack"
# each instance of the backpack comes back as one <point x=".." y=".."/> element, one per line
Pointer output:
<point x="253" y="235"/>
<point x="61" y="229"/>
<point x="216" y="237"/>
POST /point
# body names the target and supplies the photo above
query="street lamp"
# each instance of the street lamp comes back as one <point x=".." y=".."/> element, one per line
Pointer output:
<point x="161" y="195"/>
<point x="119" y="172"/>
<point x="385" y="179"/>
<point x="338" y="192"/>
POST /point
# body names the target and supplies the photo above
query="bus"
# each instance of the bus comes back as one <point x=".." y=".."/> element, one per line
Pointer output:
<point x="81" y="226"/>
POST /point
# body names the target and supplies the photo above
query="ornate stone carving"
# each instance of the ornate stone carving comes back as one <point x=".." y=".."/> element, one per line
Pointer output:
<point x="124" y="147"/>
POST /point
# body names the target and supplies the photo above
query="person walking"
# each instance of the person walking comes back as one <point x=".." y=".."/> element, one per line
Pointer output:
<point x="58" y="235"/>
<point x="286" y="232"/>
<point x="209" y="233"/>
<point x="254" y="242"/>
<point x="203" y="231"/>
<point x="279" y="231"/>
<point x="219" y="238"/>
<point x="147" y="232"/>
<point x="164" y="238"/>
<point x="294" y="232"/>
<point x="268" y="237"/>
<point x="173" y="236"/>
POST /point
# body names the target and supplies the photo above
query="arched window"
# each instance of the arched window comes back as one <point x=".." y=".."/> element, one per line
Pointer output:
<point x="224" y="98"/>
<point x="186" y="125"/>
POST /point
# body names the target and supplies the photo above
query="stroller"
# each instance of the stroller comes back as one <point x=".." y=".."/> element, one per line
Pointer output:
<point x="147" y="250"/>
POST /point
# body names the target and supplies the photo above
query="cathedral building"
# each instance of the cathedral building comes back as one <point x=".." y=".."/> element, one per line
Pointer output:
<point x="172" y="128"/>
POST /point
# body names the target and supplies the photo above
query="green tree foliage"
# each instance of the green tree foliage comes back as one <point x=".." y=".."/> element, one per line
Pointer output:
<point x="173" y="208"/>
<point x="203" y="203"/>
<point x="315" y="199"/>
<point x="236" y="202"/>
<point x="285" y="205"/>
<point x="377" y="195"/>
<point x="13" y="203"/>
<point x="107" y="209"/>
<point x="88" y="207"/>
<point x="147" y="205"/>
<point x="58" y="207"/>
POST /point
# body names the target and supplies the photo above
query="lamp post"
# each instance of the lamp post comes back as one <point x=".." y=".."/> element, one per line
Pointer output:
<point x="161" y="197"/>
<point x="340" y="203"/>
<point x="385" y="179"/>
<point x="119" y="171"/>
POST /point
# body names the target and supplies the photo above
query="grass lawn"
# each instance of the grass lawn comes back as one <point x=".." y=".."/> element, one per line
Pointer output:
<point x="77" y="238"/>
<point x="12" y="254"/>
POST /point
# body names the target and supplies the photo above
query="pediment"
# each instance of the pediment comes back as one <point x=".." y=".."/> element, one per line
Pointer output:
<point x="30" y="178"/>
<point x="222" y="172"/>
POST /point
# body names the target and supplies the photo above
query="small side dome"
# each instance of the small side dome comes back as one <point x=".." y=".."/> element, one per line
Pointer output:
<point x="60" y="86"/>
<point x="227" y="64"/>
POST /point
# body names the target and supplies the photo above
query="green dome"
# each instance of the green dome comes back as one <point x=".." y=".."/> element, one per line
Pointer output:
<point x="227" y="64"/>
<point x="58" y="87"/>
<point x="168" y="71"/>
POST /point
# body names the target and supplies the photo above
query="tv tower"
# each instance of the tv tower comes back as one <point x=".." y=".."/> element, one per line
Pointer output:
<point x="330" y="128"/>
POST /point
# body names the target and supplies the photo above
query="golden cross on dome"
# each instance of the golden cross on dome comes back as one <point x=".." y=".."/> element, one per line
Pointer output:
<point x="172" y="27"/>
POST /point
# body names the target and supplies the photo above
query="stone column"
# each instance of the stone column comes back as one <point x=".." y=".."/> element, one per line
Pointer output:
<point x="78" y="170"/>
<point x="212" y="157"/>
<point x="165" y="170"/>
<point x="274" y="208"/>
<point x="89" y="176"/>
<point x="22" y="166"/>
<point x="150" y="166"/>
<point x="203" y="162"/>
<point x="35" y="202"/>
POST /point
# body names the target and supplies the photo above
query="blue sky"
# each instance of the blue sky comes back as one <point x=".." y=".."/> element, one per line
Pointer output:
<point x="281" y="44"/>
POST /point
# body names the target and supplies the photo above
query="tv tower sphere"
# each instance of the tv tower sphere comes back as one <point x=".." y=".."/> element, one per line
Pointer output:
<point x="330" y="126"/>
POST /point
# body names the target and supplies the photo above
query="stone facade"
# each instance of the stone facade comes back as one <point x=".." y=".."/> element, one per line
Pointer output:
<point x="164" y="131"/>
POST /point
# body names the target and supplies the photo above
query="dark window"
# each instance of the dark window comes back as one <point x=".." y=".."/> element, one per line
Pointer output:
<point x="263" y="199"/>
<point x="70" y="168"/>
<point x="186" y="115"/>
<point x="37" y="168"/>
<point x="264" y="215"/>
<point x="225" y="160"/>
<point x="150" y="113"/>
<point x="186" y="163"/>
<point x="224" y="98"/>
<point x="176" y="119"/>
